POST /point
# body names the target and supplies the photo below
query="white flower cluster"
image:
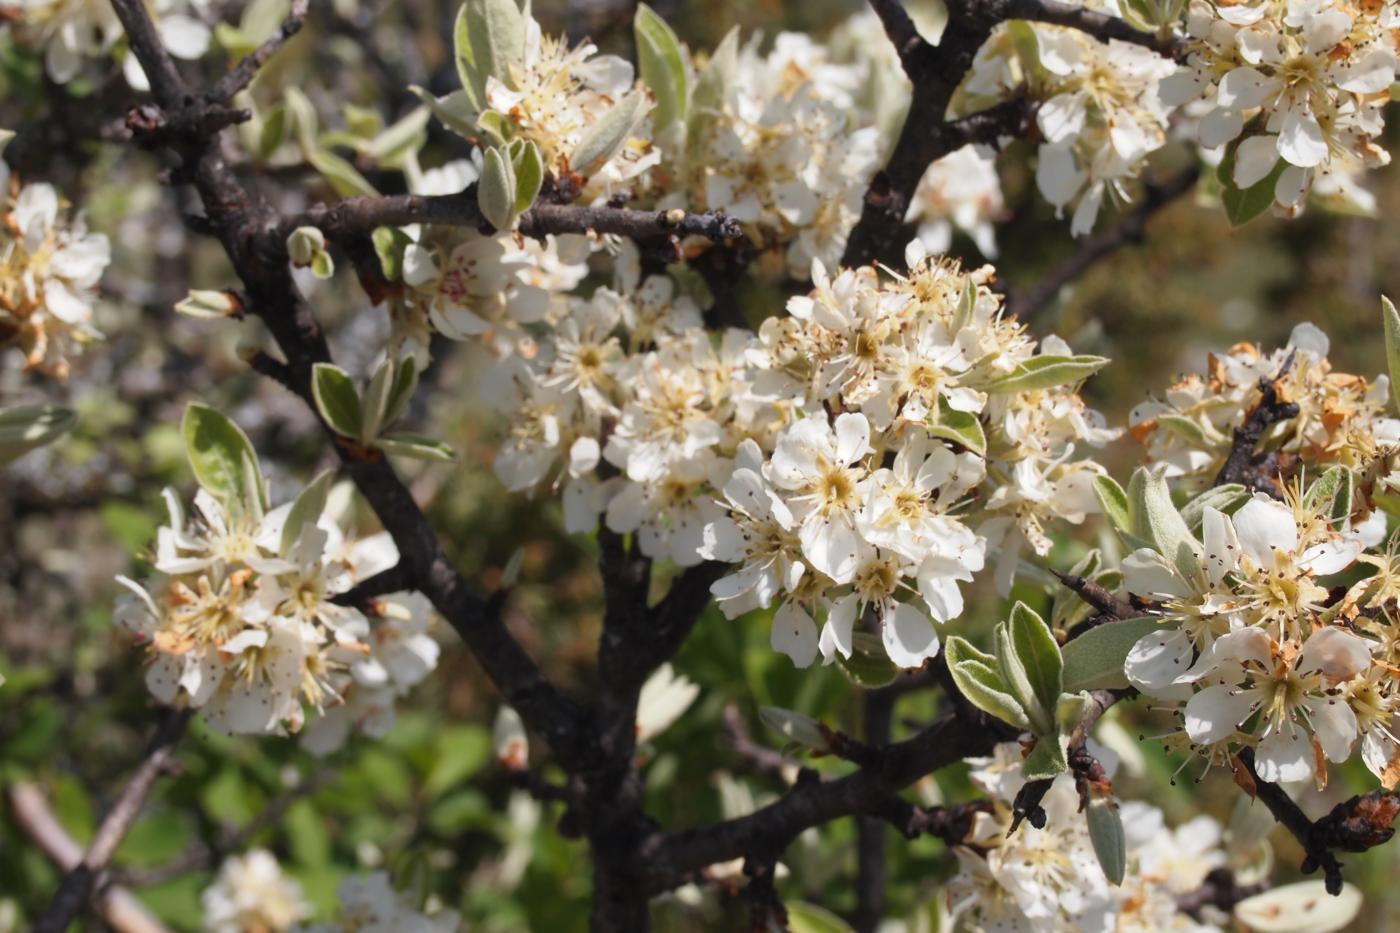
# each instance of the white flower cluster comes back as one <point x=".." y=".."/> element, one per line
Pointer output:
<point x="1100" y="112"/>
<point x="241" y="624"/>
<point x="1301" y="84"/>
<point x="49" y="268"/>
<point x="1341" y="418"/>
<point x="960" y="191"/>
<point x="1050" y="879"/>
<point x="252" y="894"/>
<point x="68" y="32"/>
<point x="1253" y="648"/>
<point x="863" y="451"/>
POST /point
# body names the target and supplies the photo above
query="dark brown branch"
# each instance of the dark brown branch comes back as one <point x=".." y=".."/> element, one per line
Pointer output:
<point x="77" y="886"/>
<point x="114" y="903"/>
<point x="870" y="830"/>
<point x="1244" y="464"/>
<point x="1096" y="596"/>
<point x="246" y="70"/>
<point x="1355" y="825"/>
<point x="1219" y="890"/>
<point x="248" y="230"/>
<point x="669" y="858"/>
<point x="1130" y="229"/>
<point x="1099" y="25"/>
<point x="902" y="32"/>
<point x="395" y="579"/>
<point x="951" y="823"/>
<point x="361" y="215"/>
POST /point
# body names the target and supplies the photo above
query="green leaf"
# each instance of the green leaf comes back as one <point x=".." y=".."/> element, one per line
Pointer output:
<point x="1244" y="204"/>
<point x="456" y="111"/>
<point x="389" y="244"/>
<point x="1392" y="349"/>
<point x="1226" y="498"/>
<point x="663" y="66"/>
<point x="1094" y="659"/>
<point x="1039" y="654"/>
<point x="975" y="674"/>
<point x="1106" y="834"/>
<point x="401" y="393"/>
<point x="1155" y="519"/>
<point x="406" y="134"/>
<point x="528" y="168"/>
<point x="307" y="507"/>
<point x="1114" y="502"/>
<point x="809" y="918"/>
<point x="967" y="304"/>
<point x="1044" y="372"/>
<point x="1046" y="759"/>
<point x="222" y="457"/>
<point x="375" y="403"/>
<point x="602" y="140"/>
<point x="416" y="447"/>
<point x="495" y="192"/>
<point x="960" y="427"/>
<point x="496" y="31"/>
<point x="272" y="133"/>
<point x="207" y="304"/>
<point x="5" y="137"/>
<point x="25" y="427"/>
<point x="795" y="727"/>
<point x="869" y="665"/>
<point x="470" y="72"/>
<point x="1331" y="494"/>
<point x="1190" y="430"/>
<point x="261" y="18"/>
<point x="460" y="752"/>
<point x="336" y="399"/>
<point x="343" y="176"/>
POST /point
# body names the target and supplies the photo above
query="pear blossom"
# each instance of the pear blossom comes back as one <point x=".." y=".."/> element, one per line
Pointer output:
<point x="251" y="892"/>
<point x="49" y="270"/>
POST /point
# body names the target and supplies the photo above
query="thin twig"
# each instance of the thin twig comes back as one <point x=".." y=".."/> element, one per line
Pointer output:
<point x="1032" y="301"/>
<point x="246" y="70"/>
<point x="77" y="886"/>
<point x="1245" y="464"/>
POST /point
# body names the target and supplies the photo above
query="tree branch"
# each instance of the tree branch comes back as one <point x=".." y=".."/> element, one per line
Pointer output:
<point x="870" y="830"/>
<point x="246" y="70"/>
<point x="1101" y="26"/>
<point x="361" y="215"/>
<point x="77" y="887"/>
<point x="1243" y="465"/>
<point x="1355" y="825"/>
<point x="1130" y="229"/>
<point x="117" y="906"/>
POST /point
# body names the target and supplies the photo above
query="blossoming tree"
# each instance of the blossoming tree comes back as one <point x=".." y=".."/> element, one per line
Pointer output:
<point x="881" y="440"/>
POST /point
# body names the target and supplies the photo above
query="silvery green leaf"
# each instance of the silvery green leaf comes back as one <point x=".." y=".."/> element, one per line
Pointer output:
<point x="1106" y="835"/>
<point x="795" y="727"/>
<point x="1155" y="519"/>
<point x="1095" y="658"/>
<point x="967" y="304"/>
<point x="1191" y="430"/>
<point x="976" y="676"/>
<point x="223" y="459"/>
<point x="1226" y="498"/>
<point x="416" y="447"/>
<point x="1244" y="204"/>
<point x="712" y="86"/>
<point x="25" y="427"/>
<point x="272" y="132"/>
<point x="207" y="304"/>
<point x="261" y="18"/>
<point x="810" y="918"/>
<point x="495" y="192"/>
<point x="1392" y="349"/>
<point x="1304" y="907"/>
<point x="405" y="382"/>
<point x="336" y="399"/>
<point x="306" y="508"/>
<point x="389" y="245"/>
<point x="404" y="135"/>
<point x="528" y="167"/>
<point x="603" y="140"/>
<point x="375" y="403"/>
<point x="1045" y="760"/>
<point x="1114" y="502"/>
<point x="663" y="66"/>
<point x="1331" y="494"/>
<point x="456" y="111"/>
<point x="343" y="176"/>
<point x="5" y="137"/>
<point x="1044" y="372"/>
<point x="496" y="31"/>
<point x="960" y="427"/>
<point x="1039" y="655"/>
<point x="469" y="70"/>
